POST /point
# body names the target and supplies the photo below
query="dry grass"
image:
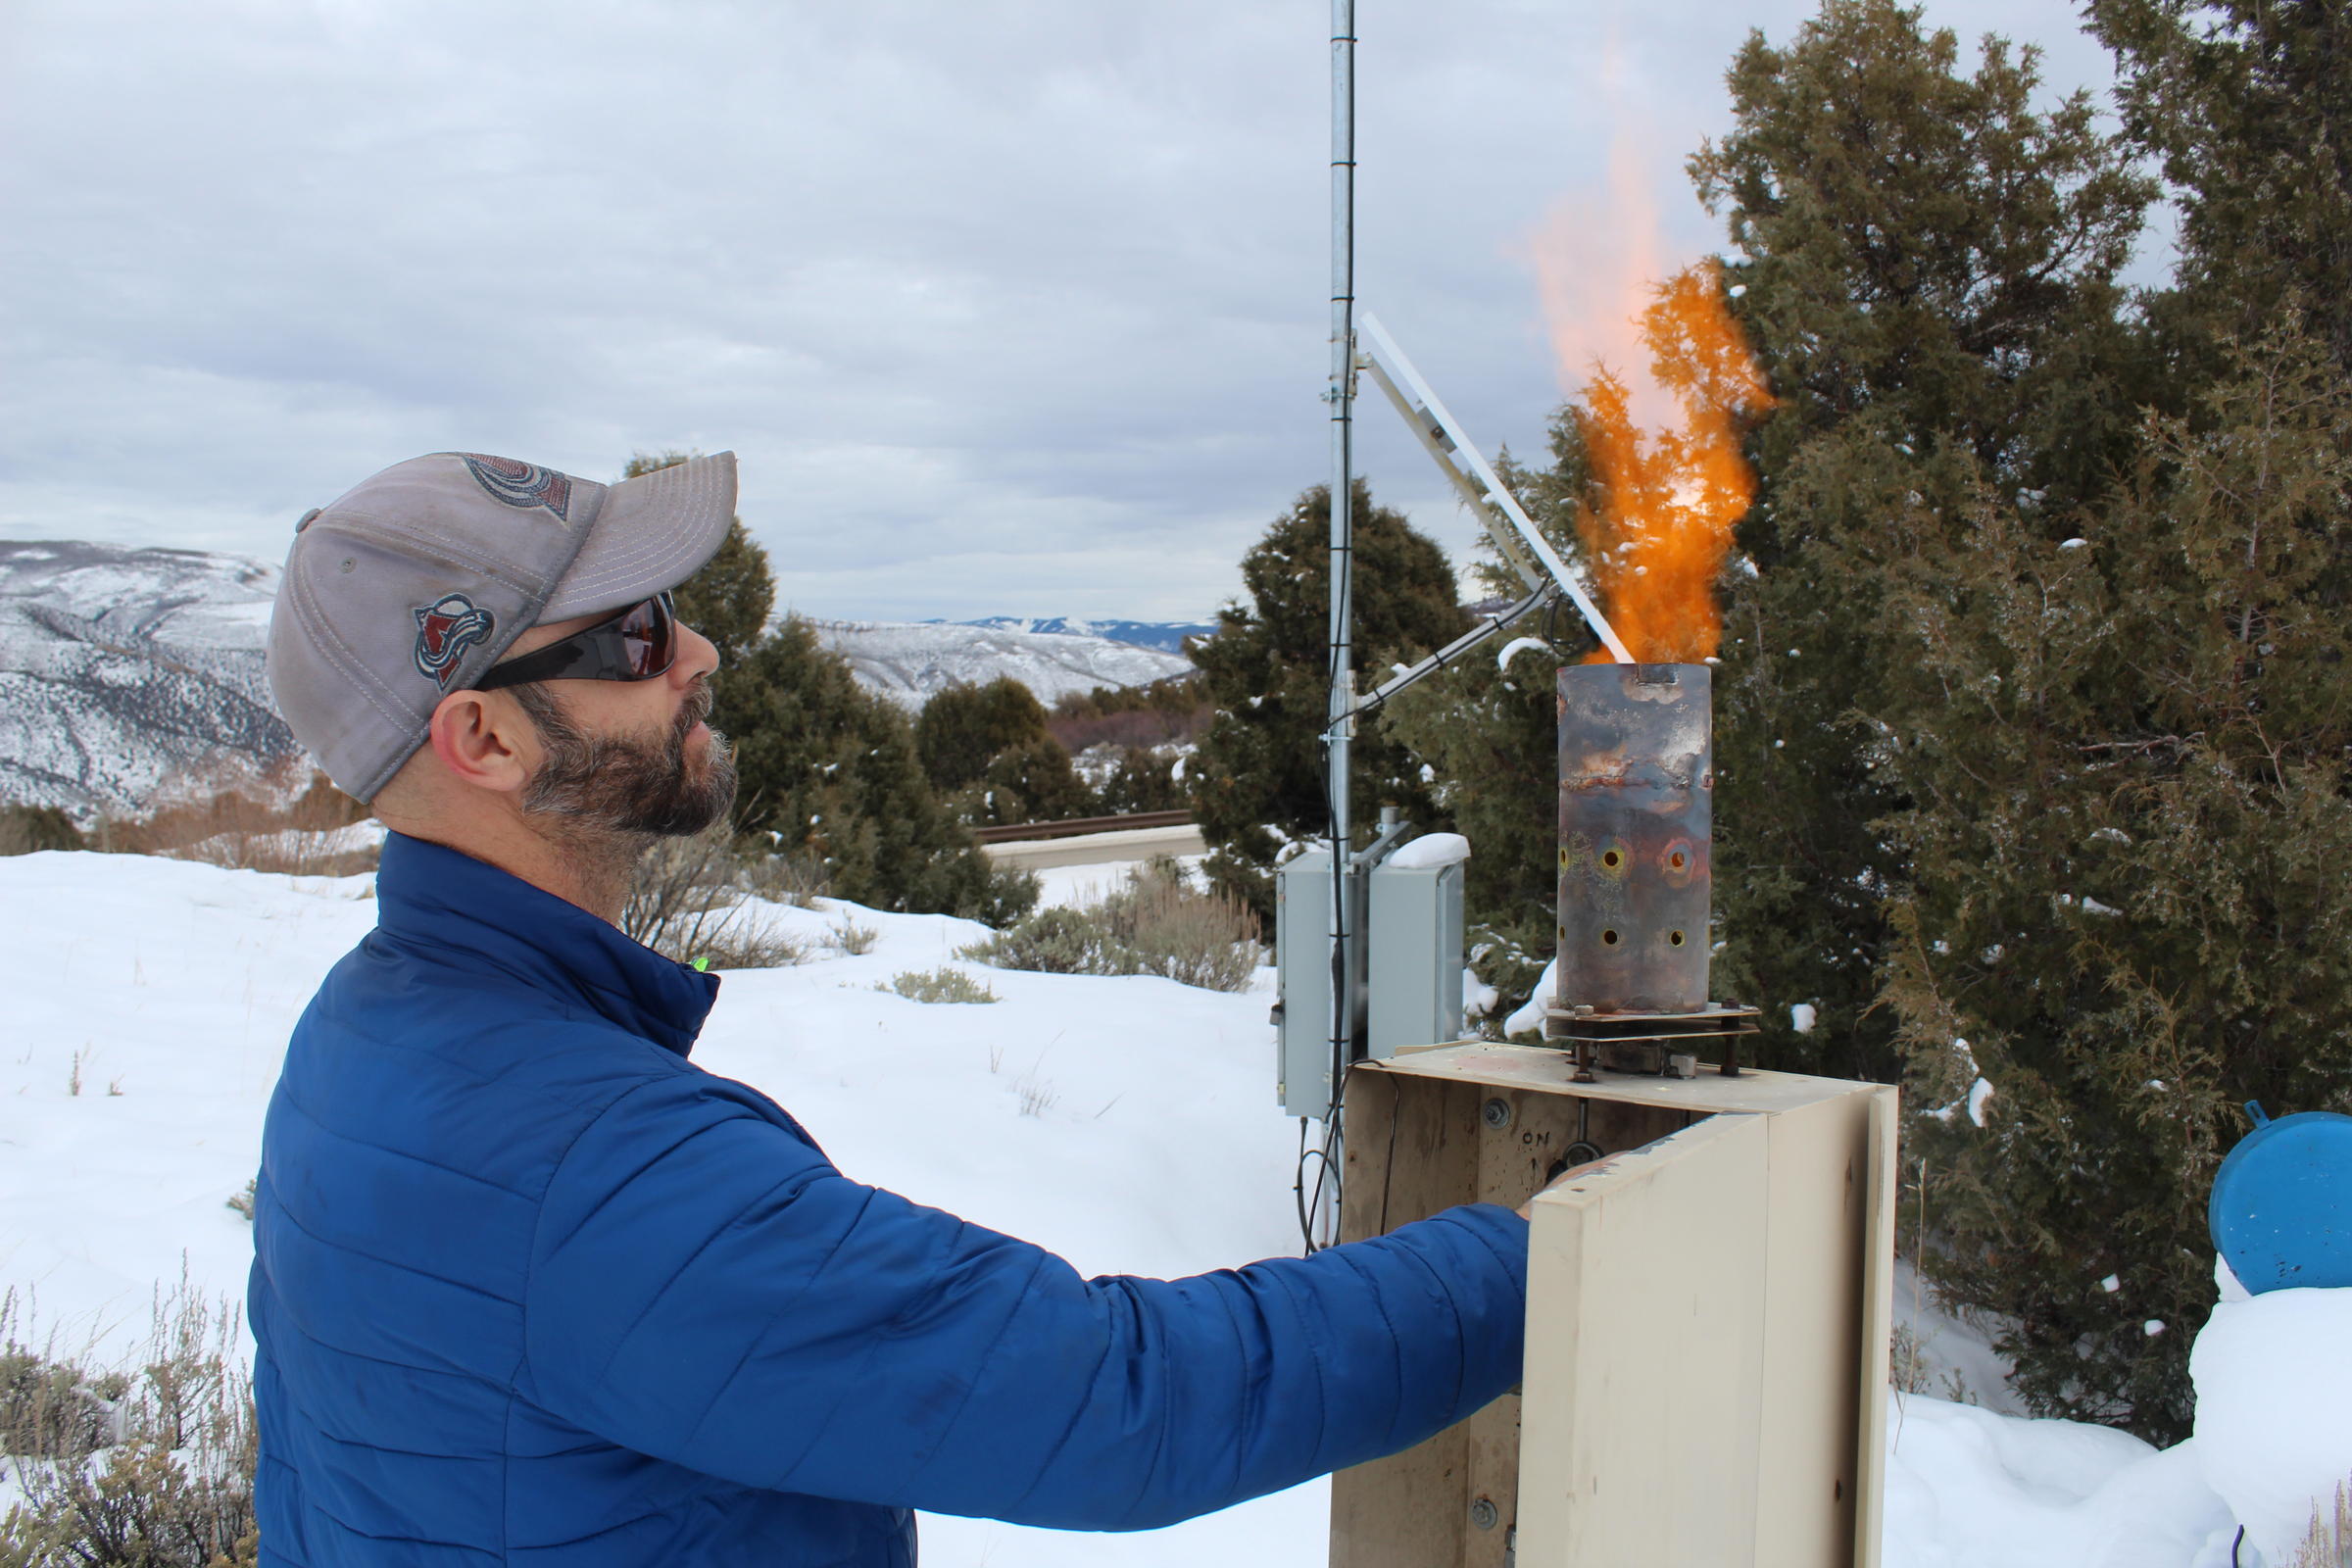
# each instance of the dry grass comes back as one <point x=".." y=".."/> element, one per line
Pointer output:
<point x="1201" y="937"/>
<point x="2330" y="1542"/>
<point x="1158" y="923"/>
<point x="847" y="937"/>
<point x="799" y="879"/>
<point x="287" y="818"/>
<point x="145" y="1467"/>
<point x="691" y="902"/>
<point x="942" y="984"/>
<point x="1907" y="1367"/>
<point x="1037" y="1095"/>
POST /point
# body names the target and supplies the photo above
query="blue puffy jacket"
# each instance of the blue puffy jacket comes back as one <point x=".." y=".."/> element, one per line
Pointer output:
<point x="532" y="1287"/>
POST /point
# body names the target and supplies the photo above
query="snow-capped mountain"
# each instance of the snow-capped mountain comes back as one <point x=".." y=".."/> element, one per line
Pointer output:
<point x="1168" y="636"/>
<point x="121" y="671"/>
<point x="121" y="668"/>
<point x="907" y="661"/>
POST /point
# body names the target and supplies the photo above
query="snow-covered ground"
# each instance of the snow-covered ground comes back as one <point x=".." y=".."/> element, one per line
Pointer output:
<point x="1129" y="1123"/>
<point x="1077" y="886"/>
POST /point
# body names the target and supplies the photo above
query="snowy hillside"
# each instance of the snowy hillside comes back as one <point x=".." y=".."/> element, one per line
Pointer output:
<point x="907" y="661"/>
<point x="1168" y="636"/>
<point x="121" y="667"/>
<point x="1127" y="1123"/>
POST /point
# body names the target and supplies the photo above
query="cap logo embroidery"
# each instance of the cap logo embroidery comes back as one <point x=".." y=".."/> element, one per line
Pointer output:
<point x="522" y="484"/>
<point x="445" y="629"/>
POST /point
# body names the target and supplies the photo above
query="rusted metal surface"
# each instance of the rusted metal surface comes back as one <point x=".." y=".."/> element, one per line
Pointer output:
<point x="1635" y="847"/>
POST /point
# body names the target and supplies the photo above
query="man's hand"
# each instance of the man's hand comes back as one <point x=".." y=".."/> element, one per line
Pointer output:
<point x="1527" y="1209"/>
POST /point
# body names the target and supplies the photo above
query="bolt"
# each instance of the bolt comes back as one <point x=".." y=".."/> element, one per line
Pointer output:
<point x="1499" y="1113"/>
<point x="1484" y="1513"/>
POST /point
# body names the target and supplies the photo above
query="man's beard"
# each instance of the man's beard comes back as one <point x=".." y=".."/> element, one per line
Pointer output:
<point x="621" y="786"/>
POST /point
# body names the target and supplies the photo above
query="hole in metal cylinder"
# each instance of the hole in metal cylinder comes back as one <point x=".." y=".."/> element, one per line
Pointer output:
<point x="1674" y="939"/>
<point x="1611" y="859"/>
<point x="1608" y="939"/>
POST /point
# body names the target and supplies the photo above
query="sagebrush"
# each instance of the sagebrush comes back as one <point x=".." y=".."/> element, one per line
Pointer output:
<point x="1157" y="923"/>
<point x="701" y="899"/>
<point x="942" y="984"/>
<point x="145" y="1466"/>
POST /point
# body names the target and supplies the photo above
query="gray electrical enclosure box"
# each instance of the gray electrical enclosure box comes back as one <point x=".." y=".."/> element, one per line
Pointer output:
<point x="1415" y="963"/>
<point x="1411" y="992"/>
<point x="1302" y="985"/>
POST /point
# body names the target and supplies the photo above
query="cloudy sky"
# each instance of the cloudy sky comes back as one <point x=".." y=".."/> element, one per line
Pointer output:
<point x="1012" y="306"/>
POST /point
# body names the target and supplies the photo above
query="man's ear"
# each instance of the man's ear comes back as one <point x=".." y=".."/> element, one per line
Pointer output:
<point x="484" y="739"/>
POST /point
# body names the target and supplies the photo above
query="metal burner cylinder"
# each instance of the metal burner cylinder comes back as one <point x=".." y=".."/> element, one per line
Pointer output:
<point x="1637" y="783"/>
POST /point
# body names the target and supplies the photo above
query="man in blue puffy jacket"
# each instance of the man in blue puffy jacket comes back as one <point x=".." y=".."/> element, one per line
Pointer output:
<point x="532" y="1287"/>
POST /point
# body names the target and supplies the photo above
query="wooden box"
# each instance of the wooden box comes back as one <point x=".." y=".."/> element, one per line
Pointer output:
<point x="1708" y="1316"/>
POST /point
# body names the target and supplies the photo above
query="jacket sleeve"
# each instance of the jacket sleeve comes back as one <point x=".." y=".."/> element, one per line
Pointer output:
<point x="707" y="1289"/>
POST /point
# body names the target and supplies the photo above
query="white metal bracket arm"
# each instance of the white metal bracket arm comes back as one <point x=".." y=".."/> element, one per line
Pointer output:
<point x="1514" y="531"/>
<point x="1541" y="594"/>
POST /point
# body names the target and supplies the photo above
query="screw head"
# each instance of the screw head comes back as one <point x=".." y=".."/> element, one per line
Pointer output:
<point x="1485" y="1515"/>
<point x="1498" y="1114"/>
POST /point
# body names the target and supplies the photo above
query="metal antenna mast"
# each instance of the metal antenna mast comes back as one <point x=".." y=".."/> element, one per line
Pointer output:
<point x="1521" y="542"/>
<point x="1342" y="397"/>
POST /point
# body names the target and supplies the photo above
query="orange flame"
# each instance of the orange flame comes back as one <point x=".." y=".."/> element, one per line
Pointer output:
<point x="1669" y="499"/>
<point x="1667" y="502"/>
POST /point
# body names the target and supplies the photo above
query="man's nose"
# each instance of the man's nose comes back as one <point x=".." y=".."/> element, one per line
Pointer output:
<point x="697" y="655"/>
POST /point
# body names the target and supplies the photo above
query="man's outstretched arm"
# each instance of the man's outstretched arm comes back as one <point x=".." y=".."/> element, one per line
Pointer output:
<point x="707" y="1289"/>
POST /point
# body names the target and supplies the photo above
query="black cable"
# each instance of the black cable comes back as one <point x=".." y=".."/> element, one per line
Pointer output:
<point x="2234" y="1545"/>
<point x="1309" y="1200"/>
<point x="1378" y="698"/>
<point x="1307" y="1229"/>
<point x="1327" y="1168"/>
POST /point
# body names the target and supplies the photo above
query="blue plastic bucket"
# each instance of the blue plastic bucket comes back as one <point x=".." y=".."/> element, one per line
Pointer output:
<point x="2282" y="1207"/>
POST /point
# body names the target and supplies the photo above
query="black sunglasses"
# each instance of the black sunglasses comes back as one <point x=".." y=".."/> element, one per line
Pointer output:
<point x="637" y="644"/>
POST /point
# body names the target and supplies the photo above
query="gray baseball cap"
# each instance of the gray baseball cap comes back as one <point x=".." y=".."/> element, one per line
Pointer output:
<point x="412" y="583"/>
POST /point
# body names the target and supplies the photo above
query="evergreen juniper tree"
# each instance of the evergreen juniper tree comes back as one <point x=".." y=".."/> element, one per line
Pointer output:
<point x="2124" y="758"/>
<point x="987" y="747"/>
<point x="1257" y="778"/>
<point x="2126" y="827"/>
<point x="2247" y="103"/>
<point x="1142" y="779"/>
<point x="1924" y="262"/>
<point x="829" y="769"/>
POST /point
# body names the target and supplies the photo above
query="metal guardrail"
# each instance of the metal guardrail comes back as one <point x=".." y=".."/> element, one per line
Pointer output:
<point x="1073" y="827"/>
